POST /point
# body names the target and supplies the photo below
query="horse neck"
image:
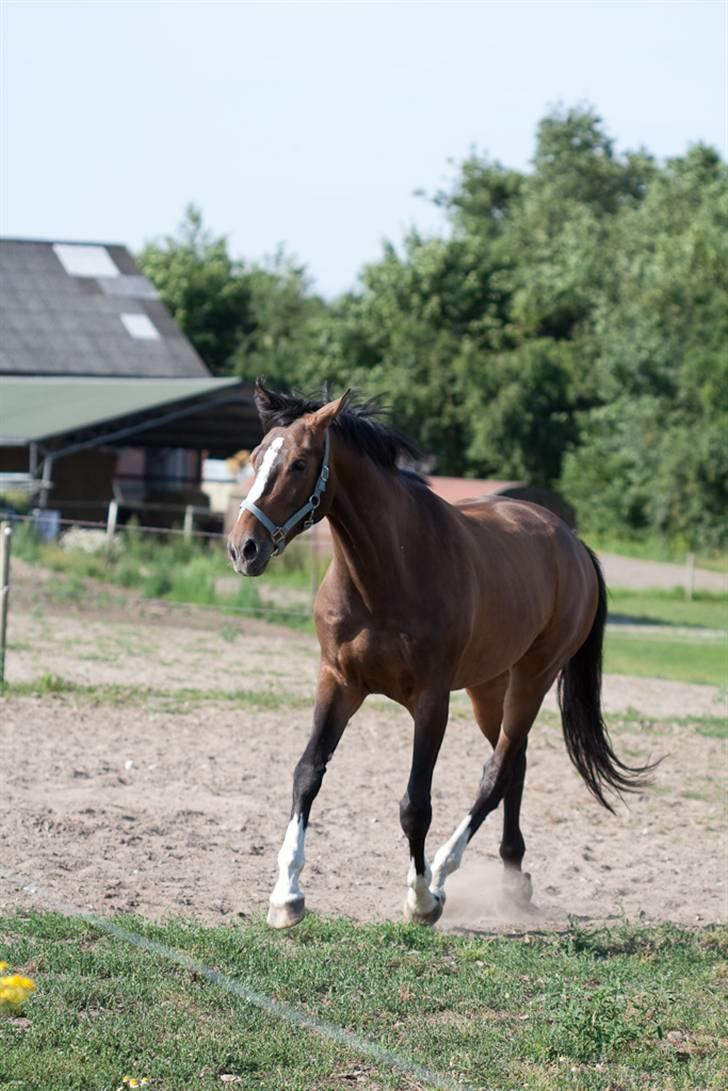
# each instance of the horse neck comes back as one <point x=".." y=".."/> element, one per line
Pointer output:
<point x="367" y="527"/>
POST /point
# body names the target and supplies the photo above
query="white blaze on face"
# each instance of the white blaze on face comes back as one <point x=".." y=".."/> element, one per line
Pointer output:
<point x="448" y="857"/>
<point x="261" y="479"/>
<point x="290" y="864"/>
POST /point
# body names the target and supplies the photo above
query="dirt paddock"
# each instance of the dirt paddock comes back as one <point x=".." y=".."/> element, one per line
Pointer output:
<point x="176" y="803"/>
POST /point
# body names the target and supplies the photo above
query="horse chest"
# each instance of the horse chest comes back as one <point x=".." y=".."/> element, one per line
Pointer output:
<point x="382" y="661"/>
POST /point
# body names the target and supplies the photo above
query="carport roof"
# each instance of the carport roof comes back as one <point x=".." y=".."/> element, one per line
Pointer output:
<point x="217" y="414"/>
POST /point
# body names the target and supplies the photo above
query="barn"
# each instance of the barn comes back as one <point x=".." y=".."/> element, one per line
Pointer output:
<point x="101" y="395"/>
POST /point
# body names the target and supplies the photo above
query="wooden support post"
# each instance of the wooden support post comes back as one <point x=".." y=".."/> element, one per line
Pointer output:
<point x="189" y="522"/>
<point x="111" y="517"/>
<point x="6" y="533"/>
<point x="690" y="575"/>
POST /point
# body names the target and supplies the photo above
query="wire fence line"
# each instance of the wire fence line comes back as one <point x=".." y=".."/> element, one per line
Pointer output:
<point x="141" y="528"/>
<point x="295" y="1016"/>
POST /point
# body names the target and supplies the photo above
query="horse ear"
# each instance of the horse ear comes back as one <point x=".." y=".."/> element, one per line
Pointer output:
<point x="268" y="402"/>
<point x="328" y="413"/>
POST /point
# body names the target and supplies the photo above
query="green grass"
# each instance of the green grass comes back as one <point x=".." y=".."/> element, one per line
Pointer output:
<point x="168" y="567"/>
<point x="706" y="609"/>
<point x="623" y="1008"/>
<point x="713" y="729"/>
<point x="168" y="700"/>
<point x="656" y="656"/>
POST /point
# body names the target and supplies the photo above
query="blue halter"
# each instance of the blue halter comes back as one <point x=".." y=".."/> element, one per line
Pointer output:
<point x="307" y="512"/>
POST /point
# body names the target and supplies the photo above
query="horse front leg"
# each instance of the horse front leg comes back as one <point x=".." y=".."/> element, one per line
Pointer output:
<point x="415" y="809"/>
<point x="335" y="705"/>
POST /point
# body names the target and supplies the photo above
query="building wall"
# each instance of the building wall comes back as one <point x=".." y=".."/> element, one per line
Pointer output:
<point x="13" y="460"/>
<point x="82" y="484"/>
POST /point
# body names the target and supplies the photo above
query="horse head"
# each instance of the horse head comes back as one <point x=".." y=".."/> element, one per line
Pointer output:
<point x="291" y="490"/>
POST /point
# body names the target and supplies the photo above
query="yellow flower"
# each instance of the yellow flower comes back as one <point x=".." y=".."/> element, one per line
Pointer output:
<point x="3" y="966"/>
<point x="14" y="991"/>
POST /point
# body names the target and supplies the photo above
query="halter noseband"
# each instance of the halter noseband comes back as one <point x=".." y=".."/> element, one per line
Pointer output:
<point x="307" y="512"/>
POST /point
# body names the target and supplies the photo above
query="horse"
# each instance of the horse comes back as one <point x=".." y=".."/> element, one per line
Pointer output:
<point x="495" y="596"/>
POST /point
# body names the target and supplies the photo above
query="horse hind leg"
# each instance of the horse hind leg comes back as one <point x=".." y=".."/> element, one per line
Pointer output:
<point x="516" y="883"/>
<point x="520" y="711"/>
<point x="487" y="702"/>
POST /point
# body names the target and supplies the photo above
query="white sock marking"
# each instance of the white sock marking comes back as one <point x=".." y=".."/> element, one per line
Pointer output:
<point x="290" y="863"/>
<point x="419" y="896"/>
<point x="448" y="857"/>
<point x="257" y="489"/>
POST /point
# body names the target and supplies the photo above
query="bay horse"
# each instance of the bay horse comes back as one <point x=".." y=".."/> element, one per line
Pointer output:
<point x="497" y="597"/>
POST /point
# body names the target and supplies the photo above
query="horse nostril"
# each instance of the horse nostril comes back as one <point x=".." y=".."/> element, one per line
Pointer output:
<point x="249" y="549"/>
<point x="232" y="552"/>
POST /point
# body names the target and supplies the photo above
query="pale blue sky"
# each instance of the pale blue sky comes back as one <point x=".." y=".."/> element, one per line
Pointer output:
<point x="312" y="124"/>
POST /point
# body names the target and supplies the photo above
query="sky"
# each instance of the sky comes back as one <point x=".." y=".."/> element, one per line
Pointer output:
<point x="313" y="125"/>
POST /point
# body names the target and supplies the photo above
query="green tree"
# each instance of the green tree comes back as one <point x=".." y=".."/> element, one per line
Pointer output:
<point x="205" y="290"/>
<point x="569" y="328"/>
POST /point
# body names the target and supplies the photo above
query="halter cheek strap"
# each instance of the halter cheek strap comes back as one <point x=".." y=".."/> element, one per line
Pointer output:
<point x="307" y="512"/>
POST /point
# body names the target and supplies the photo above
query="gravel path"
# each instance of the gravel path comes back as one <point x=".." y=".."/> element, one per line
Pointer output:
<point x="635" y="574"/>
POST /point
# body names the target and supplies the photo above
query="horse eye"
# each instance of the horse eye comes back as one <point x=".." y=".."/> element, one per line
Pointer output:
<point x="298" y="465"/>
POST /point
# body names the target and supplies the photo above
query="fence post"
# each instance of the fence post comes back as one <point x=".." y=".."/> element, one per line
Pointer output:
<point x="189" y="522"/>
<point x="6" y="532"/>
<point x="690" y="575"/>
<point x="111" y="517"/>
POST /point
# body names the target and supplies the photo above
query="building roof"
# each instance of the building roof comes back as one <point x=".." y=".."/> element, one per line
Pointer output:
<point x="64" y="413"/>
<point x="455" y="489"/>
<point x="85" y="309"/>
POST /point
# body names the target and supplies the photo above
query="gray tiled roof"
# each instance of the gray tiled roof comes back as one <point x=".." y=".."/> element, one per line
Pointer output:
<point x="56" y="323"/>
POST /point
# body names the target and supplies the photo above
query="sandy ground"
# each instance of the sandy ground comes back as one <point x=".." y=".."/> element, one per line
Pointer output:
<point x="169" y="804"/>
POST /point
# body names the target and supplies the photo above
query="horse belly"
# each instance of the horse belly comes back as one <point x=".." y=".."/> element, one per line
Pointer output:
<point x="501" y="632"/>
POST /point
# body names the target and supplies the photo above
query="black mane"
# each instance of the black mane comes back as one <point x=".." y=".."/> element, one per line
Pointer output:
<point x="361" y="425"/>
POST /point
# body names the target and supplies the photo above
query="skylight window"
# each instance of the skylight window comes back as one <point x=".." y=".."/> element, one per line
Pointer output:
<point x="140" y="326"/>
<point x="85" y="261"/>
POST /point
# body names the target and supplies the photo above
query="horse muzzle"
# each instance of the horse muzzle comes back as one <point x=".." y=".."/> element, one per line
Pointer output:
<point x="250" y="555"/>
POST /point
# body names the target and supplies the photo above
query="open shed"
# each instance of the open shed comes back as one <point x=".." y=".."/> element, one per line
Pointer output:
<point x="101" y="395"/>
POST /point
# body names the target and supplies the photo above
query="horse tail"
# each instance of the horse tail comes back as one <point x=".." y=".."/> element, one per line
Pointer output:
<point x="585" y="733"/>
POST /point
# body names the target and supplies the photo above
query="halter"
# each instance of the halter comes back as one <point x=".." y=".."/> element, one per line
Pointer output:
<point x="280" y="534"/>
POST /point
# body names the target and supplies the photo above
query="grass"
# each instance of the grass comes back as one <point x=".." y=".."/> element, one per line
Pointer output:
<point x="653" y="655"/>
<point x="713" y="729"/>
<point x="169" y="568"/>
<point x="168" y="700"/>
<point x="677" y="656"/>
<point x="622" y="1008"/>
<point x="706" y="609"/>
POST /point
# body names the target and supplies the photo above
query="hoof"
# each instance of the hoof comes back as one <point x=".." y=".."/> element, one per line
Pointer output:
<point x="287" y="915"/>
<point x="429" y="918"/>
<point x="517" y="887"/>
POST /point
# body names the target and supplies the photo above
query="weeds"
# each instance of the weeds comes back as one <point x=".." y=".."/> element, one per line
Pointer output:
<point x="169" y="568"/>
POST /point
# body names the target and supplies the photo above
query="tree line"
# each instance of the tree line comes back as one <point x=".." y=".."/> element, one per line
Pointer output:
<point x="569" y="328"/>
